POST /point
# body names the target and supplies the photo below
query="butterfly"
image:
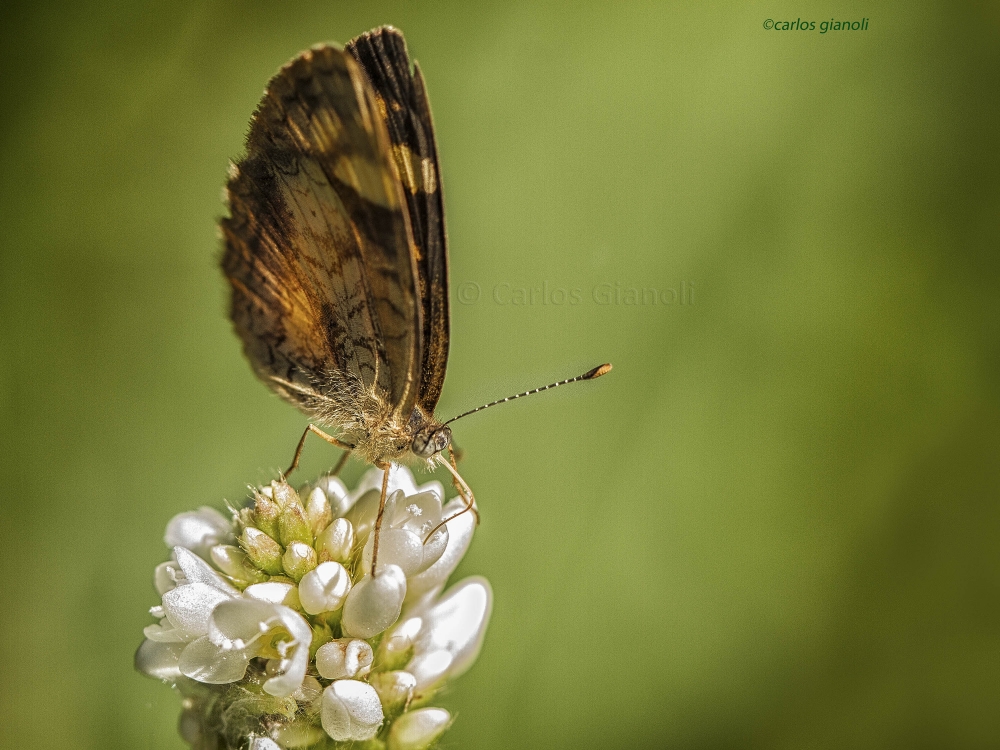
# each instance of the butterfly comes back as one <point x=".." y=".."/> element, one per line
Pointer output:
<point x="336" y="253"/>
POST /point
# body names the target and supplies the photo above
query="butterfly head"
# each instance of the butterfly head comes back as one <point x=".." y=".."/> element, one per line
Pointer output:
<point x="431" y="440"/>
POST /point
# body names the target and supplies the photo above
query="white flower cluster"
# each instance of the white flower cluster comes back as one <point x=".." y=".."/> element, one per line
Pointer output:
<point x="277" y="635"/>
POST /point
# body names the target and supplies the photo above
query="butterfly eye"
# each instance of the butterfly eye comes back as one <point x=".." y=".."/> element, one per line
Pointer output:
<point x="426" y="444"/>
<point x="441" y="439"/>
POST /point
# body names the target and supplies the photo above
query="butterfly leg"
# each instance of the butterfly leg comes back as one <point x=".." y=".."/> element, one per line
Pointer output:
<point x="463" y="490"/>
<point x="381" y="511"/>
<point x="454" y="456"/>
<point x="340" y="464"/>
<point x="328" y="438"/>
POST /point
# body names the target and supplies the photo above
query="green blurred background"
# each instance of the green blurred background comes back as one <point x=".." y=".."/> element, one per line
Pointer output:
<point x="774" y="525"/>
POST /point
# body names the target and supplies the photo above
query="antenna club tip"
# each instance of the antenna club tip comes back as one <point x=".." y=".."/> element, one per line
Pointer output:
<point x="598" y="371"/>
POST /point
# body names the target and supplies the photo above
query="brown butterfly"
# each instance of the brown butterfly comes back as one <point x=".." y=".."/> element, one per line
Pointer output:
<point x="336" y="254"/>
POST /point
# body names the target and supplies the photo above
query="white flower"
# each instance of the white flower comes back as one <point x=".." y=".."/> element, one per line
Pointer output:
<point x="344" y="657"/>
<point x="199" y="530"/>
<point x="395" y="689"/>
<point x="191" y="590"/>
<point x="426" y="584"/>
<point x="237" y="631"/>
<point x="222" y="628"/>
<point x="447" y="635"/>
<point x="249" y="614"/>
<point x="325" y="588"/>
<point x="351" y="711"/>
<point x="417" y="730"/>
<point x="374" y="602"/>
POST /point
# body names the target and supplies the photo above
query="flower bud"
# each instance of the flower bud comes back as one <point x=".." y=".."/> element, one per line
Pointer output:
<point x="374" y="602"/>
<point x="344" y="657"/>
<point x="336" y="541"/>
<point x="298" y="560"/>
<point x="324" y="588"/>
<point x="265" y="514"/>
<point x="418" y="730"/>
<point x="309" y="691"/>
<point x="293" y="526"/>
<point x="275" y="592"/>
<point x="395" y="547"/>
<point x="336" y="493"/>
<point x="396" y="648"/>
<point x="198" y="530"/>
<point x="298" y="734"/>
<point x="365" y="511"/>
<point x="394" y="688"/>
<point x="351" y="711"/>
<point x="234" y="563"/>
<point x="228" y="559"/>
<point x="283" y="494"/>
<point x="262" y="550"/>
<point x="318" y="511"/>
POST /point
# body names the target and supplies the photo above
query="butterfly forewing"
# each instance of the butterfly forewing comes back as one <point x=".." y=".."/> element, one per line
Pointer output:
<point x="318" y="248"/>
<point x="403" y="98"/>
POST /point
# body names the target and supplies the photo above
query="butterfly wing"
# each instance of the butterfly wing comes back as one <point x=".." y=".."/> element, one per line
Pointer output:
<point x="318" y="247"/>
<point x="382" y="54"/>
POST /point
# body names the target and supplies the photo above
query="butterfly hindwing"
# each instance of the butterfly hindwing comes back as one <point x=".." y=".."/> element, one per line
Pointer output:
<point x="403" y="98"/>
<point x="318" y="246"/>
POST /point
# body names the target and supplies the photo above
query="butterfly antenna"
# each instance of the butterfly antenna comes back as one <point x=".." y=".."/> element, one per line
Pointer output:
<point x="589" y="375"/>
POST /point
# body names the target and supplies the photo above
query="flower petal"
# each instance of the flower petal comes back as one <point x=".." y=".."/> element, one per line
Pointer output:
<point x="400" y="478"/>
<point x="203" y="661"/>
<point x="452" y="632"/>
<point x="161" y="634"/>
<point x="374" y="603"/>
<point x="295" y="656"/>
<point x="344" y="657"/>
<point x="299" y="734"/>
<point x="418" y="730"/>
<point x="276" y="592"/>
<point x="324" y="588"/>
<point x="460" y="530"/>
<point x="237" y="623"/>
<point x="159" y="659"/>
<point x="199" y="530"/>
<point x="419" y="513"/>
<point x="336" y="541"/>
<point x="197" y="570"/>
<point x="189" y="607"/>
<point x="336" y="494"/>
<point x="362" y="516"/>
<point x="165" y="576"/>
<point x="351" y="710"/>
<point x="434" y="548"/>
<point x="394" y="688"/>
<point x="395" y="547"/>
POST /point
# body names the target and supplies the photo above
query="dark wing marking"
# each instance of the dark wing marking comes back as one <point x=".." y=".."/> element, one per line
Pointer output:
<point x="382" y="54"/>
<point x="318" y="242"/>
